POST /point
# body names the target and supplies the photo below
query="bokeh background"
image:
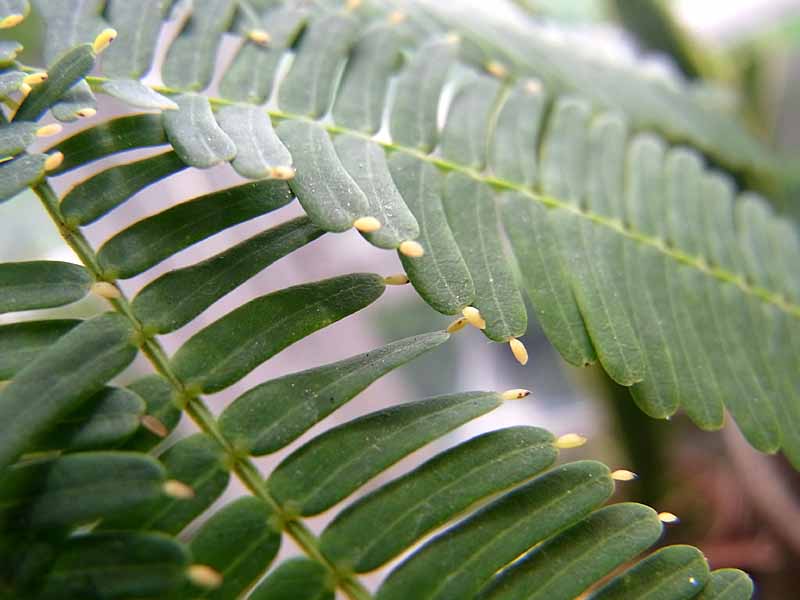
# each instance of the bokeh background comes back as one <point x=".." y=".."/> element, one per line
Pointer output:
<point x="741" y="508"/>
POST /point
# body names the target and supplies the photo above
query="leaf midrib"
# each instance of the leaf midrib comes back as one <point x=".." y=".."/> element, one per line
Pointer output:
<point x="697" y="262"/>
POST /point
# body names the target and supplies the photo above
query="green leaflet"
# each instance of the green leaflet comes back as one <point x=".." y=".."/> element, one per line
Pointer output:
<point x="468" y="120"/>
<point x="21" y="343"/>
<point x="472" y="216"/>
<point x="42" y="494"/>
<point x="382" y="524"/>
<point x="335" y="464"/>
<point x="61" y="379"/>
<point x="269" y="416"/>
<point x="95" y="197"/>
<point x="41" y="284"/>
<point x="154" y="239"/>
<point x="514" y="143"/>
<point x="15" y="137"/>
<point x="412" y="120"/>
<point x="366" y="163"/>
<point x="672" y="573"/>
<point x="239" y="542"/>
<point x="197" y="461"/>
<point x="103" y="421"/>
<point x="69" y="70"/>
<point x="195" y="135"/>
<point x="589" y="252"/>
<point x="113" y="136"/>
<point x="543" y="275"/>
<point x="258" y="149"/>
<point x="326" y="191"/>
<point x="296" y="579"/>
<point x="362" y="92"/>
<point x="322" y="50"/>
<point x="177" y="297"/>
<point x="137" y="94"/>
<point x="190" y="59"/>
<point x="567" y="564"/>
<point x="74" y="102"/>
<point x="440" y="276"/>
<point x="728" y="584"/>
<point x="234" y="345"/>
<point x="249" y="78"/>
<point x="158" y="397"/>
<point x="138" y="25"/>
<point x="18" y="174"/>
<point x="117" y="564"/>
<point x="458" y="562"/>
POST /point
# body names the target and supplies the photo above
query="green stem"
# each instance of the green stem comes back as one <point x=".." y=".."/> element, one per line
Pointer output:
<point x="197" y="410"/>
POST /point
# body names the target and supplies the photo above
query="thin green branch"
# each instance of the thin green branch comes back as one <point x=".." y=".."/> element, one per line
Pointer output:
<point x="194" y="406"/>
<point x="626" y="230"/>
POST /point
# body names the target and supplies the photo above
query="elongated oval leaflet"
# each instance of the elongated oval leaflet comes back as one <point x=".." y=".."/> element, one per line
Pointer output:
<point x="197" y="461"/>
<point x="672" y="573"/>
<point x="42" y="494"/>
<point x="366" y="163"/>
<point x="61" y="378"/>
<point x="117" y="564"/>
<point x="327" y="192"/>
<point x="440" y="275"/>
<point x="157" y="394"/>
<point x="138" y="25"/>
<point x="239" y="542"/>
<point x="113" y="136"/>
<point x="190" y="60"/>
<point x="379" y="526"/>
<point x="543" y="273"/>
<point x="234" y="345"/>
<point x="569" y="563"/>
<point x="103" y="421"/>
<point x="467" y="127"/>
<point x="18" y="174"/>
<point x="258" y="149"/>
<point x="77" y="102"/>
<point x="154" y="239"/>
<point x="68" y="70"/>
<point x="362" y="92"/>
<point x="458" y="562"/>
<point x="177" y="297"/>
<point x="296" y="579"/>
<point x="95" y="197"/>
<point x="335" y="464"/>
<point x="194" y="133"/>
<point x="41" y="284"/>
<point x="15" y="137"/>
<point x="412" y="119"/>
<point x="21" y="343"/>
<point x="322" y="50"/>
<point x="728" y="584"/>
<point x="472" y="216"/>
<point x="137" y="94"/>
<point x="515" y="139"/>
<point x="269" y="416"/>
